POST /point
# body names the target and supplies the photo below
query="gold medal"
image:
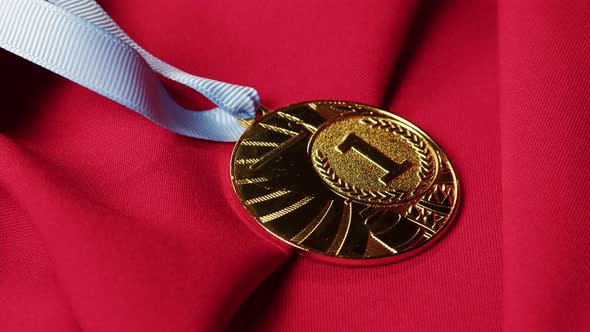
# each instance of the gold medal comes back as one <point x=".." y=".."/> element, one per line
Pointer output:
<point x="345" y="182"/>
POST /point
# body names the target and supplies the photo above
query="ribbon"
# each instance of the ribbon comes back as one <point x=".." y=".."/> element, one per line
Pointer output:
<point x="79" y="41"/>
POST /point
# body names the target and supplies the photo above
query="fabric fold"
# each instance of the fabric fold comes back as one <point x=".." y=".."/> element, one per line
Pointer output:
<point x="445" y="82"/>
<point x="141" y="225"/>
<point x="544" y="70"/>
<point x="111" y="223"/>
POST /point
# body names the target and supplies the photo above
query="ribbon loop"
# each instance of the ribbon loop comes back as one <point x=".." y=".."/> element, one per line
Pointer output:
<point x="78" y="40"/>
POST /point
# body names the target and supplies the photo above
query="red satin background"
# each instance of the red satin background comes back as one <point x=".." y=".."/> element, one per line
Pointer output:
<point x="111" y="223"/>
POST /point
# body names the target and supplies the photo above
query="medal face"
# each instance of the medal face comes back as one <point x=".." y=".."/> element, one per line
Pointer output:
<point x="345" y="182"/>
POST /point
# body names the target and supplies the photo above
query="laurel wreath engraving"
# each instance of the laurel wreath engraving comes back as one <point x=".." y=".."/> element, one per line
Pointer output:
<point x="427" y="168"/>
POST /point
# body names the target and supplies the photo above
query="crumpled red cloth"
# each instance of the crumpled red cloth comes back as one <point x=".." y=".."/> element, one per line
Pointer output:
<point x="111" y="223"/>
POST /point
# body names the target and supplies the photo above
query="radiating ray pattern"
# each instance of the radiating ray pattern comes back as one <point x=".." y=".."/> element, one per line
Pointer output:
<point x="266" y="197"/>
<point x="250" y="181"/>
<point x="343" y="229"/>
<point x="313" y="225"/>
<point x="260" y="143"/>
<point x="286" y="210"/>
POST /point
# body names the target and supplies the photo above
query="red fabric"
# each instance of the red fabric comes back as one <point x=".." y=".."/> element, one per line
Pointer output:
<point x="110" y="223"/>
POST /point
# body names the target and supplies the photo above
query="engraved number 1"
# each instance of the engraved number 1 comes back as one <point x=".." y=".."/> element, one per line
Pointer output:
<point x="393" y="169"/>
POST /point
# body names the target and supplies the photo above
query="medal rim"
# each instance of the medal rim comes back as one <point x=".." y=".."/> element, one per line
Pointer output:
<point x="347" y="261"/>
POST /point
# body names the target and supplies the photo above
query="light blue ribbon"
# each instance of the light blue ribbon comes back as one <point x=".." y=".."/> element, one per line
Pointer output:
<point x="78" y="40"/>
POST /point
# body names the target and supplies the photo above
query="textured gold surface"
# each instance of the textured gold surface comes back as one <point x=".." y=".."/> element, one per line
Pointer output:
<point x="345" y="182"/>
